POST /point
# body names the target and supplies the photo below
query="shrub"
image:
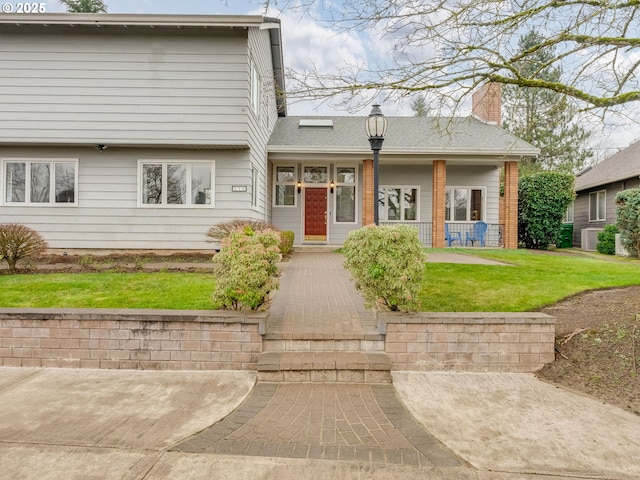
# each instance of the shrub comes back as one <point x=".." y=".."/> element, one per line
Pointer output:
<point x="286" y="242"/>
<point x="543" y="199"/>
<point x="607" y="240"/>
<point x="19" y="241"/>
<point x="628" y="219"/>
<point x="245" y="268"/>
<point x="387" y="264"/>
<point x="222" y="230"/>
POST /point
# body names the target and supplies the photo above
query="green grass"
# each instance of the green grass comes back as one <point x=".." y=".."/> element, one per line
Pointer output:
<point x="530" y="281"/>
<point x="160" y="290"/>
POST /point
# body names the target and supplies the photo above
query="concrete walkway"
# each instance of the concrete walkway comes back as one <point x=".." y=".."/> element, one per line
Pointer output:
<point x="78" y="424"/>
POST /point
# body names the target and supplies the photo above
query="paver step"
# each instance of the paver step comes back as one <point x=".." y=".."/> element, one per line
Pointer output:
<point x="271" y="344"/>
<point x="326" y="335"/>
<point x="324" y="366"/>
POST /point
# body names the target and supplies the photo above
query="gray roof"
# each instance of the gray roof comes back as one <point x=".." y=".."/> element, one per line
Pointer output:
<point x="623" y="165"/>
<point x="405" y="135"/>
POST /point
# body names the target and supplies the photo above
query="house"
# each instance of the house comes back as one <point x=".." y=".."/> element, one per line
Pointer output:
<point x="140" y="132"/>
<point x="596" y="189"/>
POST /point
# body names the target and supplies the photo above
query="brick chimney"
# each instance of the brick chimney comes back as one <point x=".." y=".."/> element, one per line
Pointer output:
<point x="487" y="103"/>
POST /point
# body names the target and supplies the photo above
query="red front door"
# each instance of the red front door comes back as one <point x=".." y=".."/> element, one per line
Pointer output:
<point x="315" y="214"/>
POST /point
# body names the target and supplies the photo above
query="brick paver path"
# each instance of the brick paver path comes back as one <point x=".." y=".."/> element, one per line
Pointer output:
<point x="317" y="300"/>
<point x="348" y="422"/>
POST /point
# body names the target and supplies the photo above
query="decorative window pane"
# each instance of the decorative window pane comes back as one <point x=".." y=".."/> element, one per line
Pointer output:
<point x="345" y="203"/>
<point x="201" y="184"/>
<point x="15" y="186"/>
<point x="40" y="182"/>
<point x="286" y="174"/>
<point x="152" y="184"/>
<point x="315" y="175"/>
<point x="65" y="182"/>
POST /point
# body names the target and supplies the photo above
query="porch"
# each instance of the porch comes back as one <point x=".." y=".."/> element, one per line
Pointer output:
<point x="493" y="237"/>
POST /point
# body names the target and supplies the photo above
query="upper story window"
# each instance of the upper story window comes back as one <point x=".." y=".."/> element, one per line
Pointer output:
<point x="176" y="183"/>
<point x="464" y="204"/>
<point x="345" y="192"/>
<point x="598" y="206"/>
<point x="255" y="86"/>
<point x="40" y="181"/>
<point x="399" y="204"/>
<point x="285" y="186"/>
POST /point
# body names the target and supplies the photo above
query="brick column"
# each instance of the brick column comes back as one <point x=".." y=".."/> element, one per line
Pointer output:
<point x="439" y="196"/>
<point x="510" y="234"/>
<point x="367" y="192"/>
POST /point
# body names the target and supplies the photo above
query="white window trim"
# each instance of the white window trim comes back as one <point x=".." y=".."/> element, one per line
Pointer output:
<point x="254" y="187"/>
<point x="604" y="199"/>
<point x="164" y="163"/>
<point x="484" y="203"/>
<point x="255" y="87"/>
<point x="276" y="183"/>
<point x="383" y="218"/>
<point x="334" y="195"/>
<point x="27" y="202"/>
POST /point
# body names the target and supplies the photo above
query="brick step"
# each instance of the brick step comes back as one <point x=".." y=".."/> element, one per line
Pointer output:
<point x="330" y="335"/>
<point x="324" y="366"/>
<point x="334" y="345"/>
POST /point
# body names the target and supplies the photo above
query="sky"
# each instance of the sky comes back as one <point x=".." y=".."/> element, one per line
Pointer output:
<point x="308" y="44"/>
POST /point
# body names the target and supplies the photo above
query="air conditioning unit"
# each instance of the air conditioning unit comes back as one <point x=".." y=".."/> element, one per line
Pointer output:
<point x="589" y="238"/>
<point x="620" y="249"/>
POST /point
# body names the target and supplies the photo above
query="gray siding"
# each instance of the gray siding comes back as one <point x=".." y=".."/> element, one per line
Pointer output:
<point x="479" y="176"/>
<point x="108" y="215"/>
<point x="581" y="207"/>
<point x="89" y="86"/>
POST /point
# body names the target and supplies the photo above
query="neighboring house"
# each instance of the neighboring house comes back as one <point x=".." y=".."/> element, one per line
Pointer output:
<point x="140" y="132"/>
<point x="596" y="190"/>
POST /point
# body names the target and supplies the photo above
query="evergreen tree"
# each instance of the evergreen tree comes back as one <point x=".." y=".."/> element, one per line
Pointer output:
<point x="543" y="117"/>
<point x="84" y="6"/>
<point x="420" y="107"/>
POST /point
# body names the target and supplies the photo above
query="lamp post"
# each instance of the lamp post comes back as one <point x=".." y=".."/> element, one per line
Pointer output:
<point x="376" y="127"/>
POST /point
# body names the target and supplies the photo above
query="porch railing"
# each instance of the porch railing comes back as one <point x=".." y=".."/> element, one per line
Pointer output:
<point x="493" y="237"/>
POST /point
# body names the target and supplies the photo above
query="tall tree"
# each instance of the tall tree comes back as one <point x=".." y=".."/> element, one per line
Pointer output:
<point x="544" y="118"/>
<point x="419" y="106"/>
<point x="453" y="46"/>
<point x="84" y="6"/>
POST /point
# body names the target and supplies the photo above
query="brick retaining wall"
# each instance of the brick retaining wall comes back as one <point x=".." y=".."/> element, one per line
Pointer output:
<point x="481" y="342"/>
<point x="130" y="339"/>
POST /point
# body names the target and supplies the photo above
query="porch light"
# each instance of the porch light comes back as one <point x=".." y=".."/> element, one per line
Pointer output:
<point x="376" y="128"/>
<point x="299" y="186"/>
<point x="332" y="186"/>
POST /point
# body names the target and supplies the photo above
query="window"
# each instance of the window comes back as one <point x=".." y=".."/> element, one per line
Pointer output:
<point x="169" y="183"/>
<point x="285" y="186"/>
<point x="254" y="87"/>
<point x="254" y="187"/>
<point x="597" y="206"/>
<point x="345" y="188"/>
<point x="40" y="181"/>
<point x="568" y="215"/>
<point x="398" y="204"/>
<point x="464" y="204"/>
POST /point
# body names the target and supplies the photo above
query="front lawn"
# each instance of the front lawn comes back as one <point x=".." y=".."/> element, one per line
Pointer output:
<point x="529" y="281"/>
<point x="532" y="280"/>
<point x="161" y="290"/>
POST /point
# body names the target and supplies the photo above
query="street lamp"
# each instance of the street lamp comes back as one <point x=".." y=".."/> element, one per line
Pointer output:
<point x="376" y="127"/>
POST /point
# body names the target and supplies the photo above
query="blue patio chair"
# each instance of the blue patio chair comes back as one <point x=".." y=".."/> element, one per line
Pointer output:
<point x="479" y="231"/>
<point x="451" y="237"/>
